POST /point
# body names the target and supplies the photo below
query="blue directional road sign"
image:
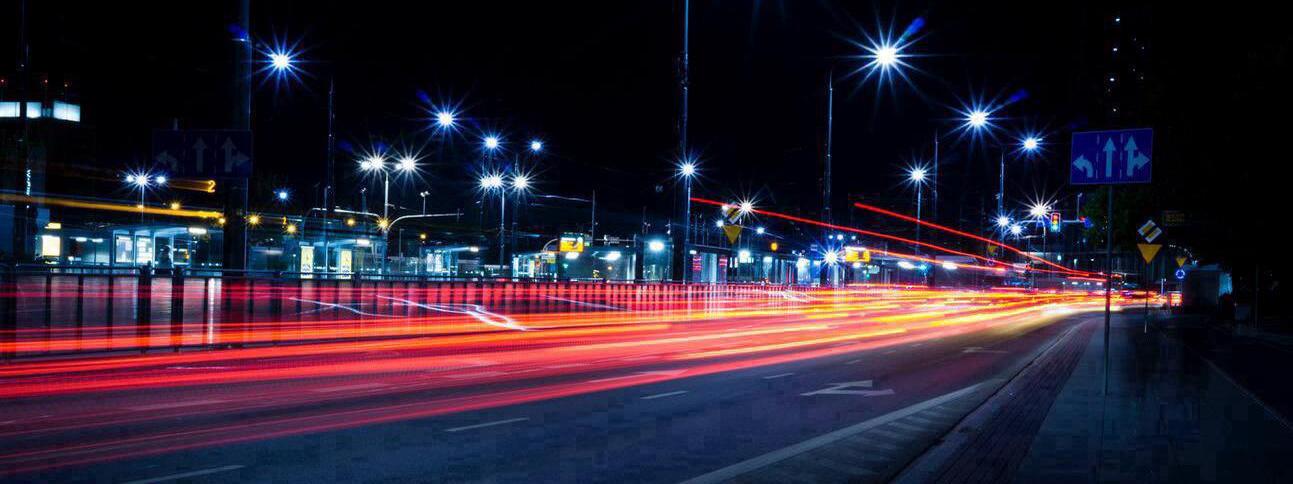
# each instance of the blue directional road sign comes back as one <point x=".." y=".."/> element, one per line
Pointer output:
<point x="203" y="153"/>
<point x="1112" y="157"/>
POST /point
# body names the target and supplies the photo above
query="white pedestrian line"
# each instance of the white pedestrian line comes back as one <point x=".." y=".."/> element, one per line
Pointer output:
<point x="771" y="377"/>
<point x="487" y="424"/>
<point x="357" y="386"/>
<point x="184" y="475"/>
<point x="730" y="472"/>
<point x="161" y="406"/>
<point x="662" y="395"/>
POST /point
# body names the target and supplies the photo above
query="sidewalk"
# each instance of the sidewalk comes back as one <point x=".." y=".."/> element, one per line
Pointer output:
<point x="1170" y="416"/>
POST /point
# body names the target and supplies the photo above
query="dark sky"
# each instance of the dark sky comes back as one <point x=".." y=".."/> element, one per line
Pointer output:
<point x="595" y="80"/>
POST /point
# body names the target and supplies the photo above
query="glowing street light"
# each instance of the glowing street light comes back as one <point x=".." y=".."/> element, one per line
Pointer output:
<point x="1031" y="143"/>
<point x="445" y="119"/>
<point x="491" y="142"/>
<point x="280" y="61"/>
<point x="491" y="181"/>
<point x="687" y="169"/>
<point x="520" y="182"/>
<point x="536" y="146"/>
<point x="886" y="56"/>
<point x="1016" y="229"/>
<point x="916" y="175"/>
<point x="977" y="119"/>
<point x="744" y="208"/>
<point x="1003" y="221"/>
<point x="1039" y="210"/>
<point x="407" y="164"/>
<point x="281" y="194"/>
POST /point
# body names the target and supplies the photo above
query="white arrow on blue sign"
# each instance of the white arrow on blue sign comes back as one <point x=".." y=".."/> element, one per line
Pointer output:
<point x="204" y="153"/>
<point x="1112" y="157"/>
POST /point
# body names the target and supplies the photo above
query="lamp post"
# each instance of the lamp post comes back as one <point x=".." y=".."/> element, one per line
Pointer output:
<point x="377" y="163"/>
<point x="686" y="171"/>
<point x="142" y="181"/>
<point x="917" y="177"/>
<point x="494" y="183"/>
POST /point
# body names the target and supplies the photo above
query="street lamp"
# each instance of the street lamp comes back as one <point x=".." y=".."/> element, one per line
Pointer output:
<point x="491" y="142"/>
<point x="377" y="163"/>
<point x="142" y="181"/>
<point x="687" y="171"/>
<point x="445" y="119"/>
<point x="916" y="175"/>
<point x="281" y="194"/>
<point x="280" y="61"/>
<point x="536" y="146"/>
<point x="1039" y="210"/>
<point x="1003" y="222"/>
<point x="493" y="182"/>
<point x="977" y="118"/>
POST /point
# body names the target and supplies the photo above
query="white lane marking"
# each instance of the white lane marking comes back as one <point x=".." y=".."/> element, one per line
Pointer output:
<point x="734" y="470"/>
<point x="772" y="377"/>
<point x="203" y="472"/>
<point x="487" y="424"/>
<point x="917" y="345"/>
<point x="980" y="349"/>
<point x="357" y="386"/>
<point x="853" y="362"/>
<point x="890" y="352"/>
<point x="640" y="374"/>
<point x="662" y="395"/>
<point x="161" y="406"/>
<point x="840" y="389"/>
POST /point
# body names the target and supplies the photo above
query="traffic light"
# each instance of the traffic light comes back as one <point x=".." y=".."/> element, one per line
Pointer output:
<point x="1055" y="221"/>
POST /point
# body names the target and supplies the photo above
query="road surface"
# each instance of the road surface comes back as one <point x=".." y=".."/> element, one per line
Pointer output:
<point x="641" y="392"/>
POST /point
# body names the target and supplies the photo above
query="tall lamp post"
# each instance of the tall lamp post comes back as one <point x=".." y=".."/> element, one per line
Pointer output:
<point x="917" y="178"/>
<point x="686" y="171"/>
<point x="491" y="183"/>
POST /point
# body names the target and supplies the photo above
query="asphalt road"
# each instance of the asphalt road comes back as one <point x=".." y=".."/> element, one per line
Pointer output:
<point x="636" y="409"/>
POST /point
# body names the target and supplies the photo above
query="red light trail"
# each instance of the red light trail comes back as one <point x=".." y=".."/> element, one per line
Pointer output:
<point x="291" y="377"/>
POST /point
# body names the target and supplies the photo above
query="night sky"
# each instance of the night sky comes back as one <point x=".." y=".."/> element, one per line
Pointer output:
<point x="595" y="80"/>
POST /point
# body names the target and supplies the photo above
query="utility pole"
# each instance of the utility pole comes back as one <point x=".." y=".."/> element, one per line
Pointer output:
<point x="24" y="213"/>
<point x="830" y="128"/>
<point x="331" y="166"/>
<point x="680" y="258"/>
<point x="933" y="212"/>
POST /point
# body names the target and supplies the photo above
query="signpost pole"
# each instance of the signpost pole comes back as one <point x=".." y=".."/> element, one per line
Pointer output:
<point x="1108" y="279"/>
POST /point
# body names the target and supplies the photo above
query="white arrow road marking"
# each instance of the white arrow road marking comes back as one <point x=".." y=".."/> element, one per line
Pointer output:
<point x="641" y="374"/>
<point x="840" y="389"/>
<point x="487" y="424"/>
